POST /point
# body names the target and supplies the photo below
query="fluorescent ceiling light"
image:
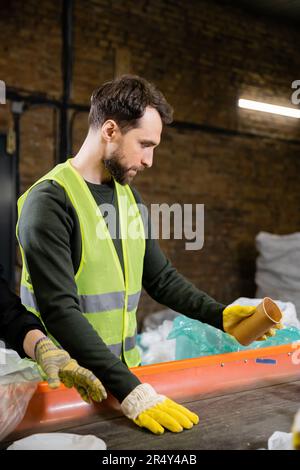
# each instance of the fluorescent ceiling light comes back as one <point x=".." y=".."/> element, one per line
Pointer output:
<point x="269" y="108"/>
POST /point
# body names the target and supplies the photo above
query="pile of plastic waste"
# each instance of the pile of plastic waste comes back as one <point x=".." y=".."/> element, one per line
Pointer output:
<point x="169" y="336"/>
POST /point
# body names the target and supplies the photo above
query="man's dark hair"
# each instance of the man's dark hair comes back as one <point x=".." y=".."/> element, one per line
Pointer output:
<point x="124" y="100"/>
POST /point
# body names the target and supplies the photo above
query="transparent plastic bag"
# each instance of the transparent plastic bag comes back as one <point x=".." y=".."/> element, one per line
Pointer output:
<point x="14" y="399"/>
<point x="18" y="382"/>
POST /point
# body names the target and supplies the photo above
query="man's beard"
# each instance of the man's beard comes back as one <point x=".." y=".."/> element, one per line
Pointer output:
<point x="117" y="170"/>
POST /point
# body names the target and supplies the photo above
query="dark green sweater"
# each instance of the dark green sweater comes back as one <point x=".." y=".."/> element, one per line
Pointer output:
<point x="49" y="233"/>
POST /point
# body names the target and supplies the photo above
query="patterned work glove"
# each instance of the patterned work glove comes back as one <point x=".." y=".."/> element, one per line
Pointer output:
<point x="58" y="366"/>
<point x="155" y="412"/>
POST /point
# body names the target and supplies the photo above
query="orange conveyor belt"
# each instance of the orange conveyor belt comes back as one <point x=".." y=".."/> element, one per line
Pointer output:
<point x="182" y="380"/>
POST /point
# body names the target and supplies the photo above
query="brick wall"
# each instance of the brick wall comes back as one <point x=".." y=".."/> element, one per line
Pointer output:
<point x="203" y="56"/>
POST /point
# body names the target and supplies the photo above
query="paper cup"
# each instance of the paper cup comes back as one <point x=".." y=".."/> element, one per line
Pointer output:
<point x="266" y="316"/>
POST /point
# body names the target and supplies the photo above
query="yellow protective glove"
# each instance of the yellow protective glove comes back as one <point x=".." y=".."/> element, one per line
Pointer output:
<point x="296" y="431"/>
<point x="155" y="412"/>
<point x="234" y="314"/>
<point x="58" y="366"/>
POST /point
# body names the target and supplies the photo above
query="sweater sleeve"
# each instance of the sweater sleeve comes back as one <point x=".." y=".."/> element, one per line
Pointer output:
<point x="167" y="286"/>
<point x="45" y="234"/>
<point x="15" y="321"/>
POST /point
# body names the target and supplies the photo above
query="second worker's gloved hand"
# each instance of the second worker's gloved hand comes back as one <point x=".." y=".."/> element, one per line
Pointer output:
<point x="234" y="314"/>
<point x="296" y="431"/>
<point x="155" y="412"/>
<point x="59" y="367"/>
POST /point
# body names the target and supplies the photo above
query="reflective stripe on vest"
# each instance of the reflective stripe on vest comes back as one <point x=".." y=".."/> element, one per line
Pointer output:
<point x="90" y="303"/>
<point x="130" y="343"/>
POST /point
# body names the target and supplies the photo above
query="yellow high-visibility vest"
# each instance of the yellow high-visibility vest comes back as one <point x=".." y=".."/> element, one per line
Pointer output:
<point x="108" y="298"/>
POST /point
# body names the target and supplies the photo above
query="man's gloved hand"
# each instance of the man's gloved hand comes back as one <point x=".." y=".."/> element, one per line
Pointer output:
<point x="58" y="366"/>
<point x="234" y="314"/>
<point x="296" y="431"/>
<point x="155" y="412"/>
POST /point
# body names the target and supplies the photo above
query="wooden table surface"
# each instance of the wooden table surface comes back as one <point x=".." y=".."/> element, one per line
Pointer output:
<point x="243" y="420"/>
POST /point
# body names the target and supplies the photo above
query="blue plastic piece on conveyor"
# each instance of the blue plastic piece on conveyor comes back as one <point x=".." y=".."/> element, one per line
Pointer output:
<point x="265" y="361"/>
